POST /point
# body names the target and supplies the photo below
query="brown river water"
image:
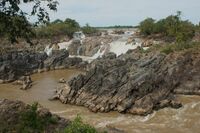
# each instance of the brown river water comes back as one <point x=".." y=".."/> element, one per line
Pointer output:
<point x="183" y="120"/>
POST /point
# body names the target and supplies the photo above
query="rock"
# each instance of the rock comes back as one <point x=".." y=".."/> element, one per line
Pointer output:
<point x="11" y="112"/>
<point x="109" y="55"/>
<point x="130" y="40"/>
<point x="147" y="43"/>
<point x="134" y="83"/>
<point x="56" y="58"/>
<point x="90" y="45"/>
<point x="118" y="32"/>
<point x="25" y="81"/>
<point x="62" y="80"/>
<point x="74" y="48"/>
<point x="15" y="64"/>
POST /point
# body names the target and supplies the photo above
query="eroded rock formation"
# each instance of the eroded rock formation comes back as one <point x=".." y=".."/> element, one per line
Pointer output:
<point x="16" y="64"/>
<point x="135" y="82"/>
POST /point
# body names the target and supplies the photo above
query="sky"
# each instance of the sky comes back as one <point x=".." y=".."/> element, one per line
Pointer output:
<point x="124" y="12"/>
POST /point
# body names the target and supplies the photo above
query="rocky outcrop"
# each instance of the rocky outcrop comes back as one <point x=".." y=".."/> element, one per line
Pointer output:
<point x="118" y="32"/>
<point x="16" y="64"/>
<point x="134" y="83"/>
<point x="25" y="81"/>
<point x="12" y="113"/>
<point x="90" y="45"/>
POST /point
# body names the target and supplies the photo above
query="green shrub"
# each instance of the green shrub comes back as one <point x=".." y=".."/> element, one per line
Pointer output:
<point x="147" y="26"/>
<point x="77" y="126"/>
<point x="167" y="50"/>
<point x="87" y="29"/>
<point x="30" y="121"/>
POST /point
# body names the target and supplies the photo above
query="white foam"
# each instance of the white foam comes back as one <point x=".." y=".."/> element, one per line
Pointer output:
<point x="121" y="47"/>
<point x="107" y="122"/>
<point x="48" y="50"/>
<point x="64" y="45"/>
<point x="100" y="52"/>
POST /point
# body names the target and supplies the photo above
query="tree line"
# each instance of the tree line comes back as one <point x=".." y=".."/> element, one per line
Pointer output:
<point x="172" y="27"/>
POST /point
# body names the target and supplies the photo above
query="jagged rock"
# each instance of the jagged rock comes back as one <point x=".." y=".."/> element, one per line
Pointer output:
<point x="56" y="59"/>
<point x="74" y="48"/>
<point x="134" y="82"/>
<point x="90" y="45"/>
<point x="109" y="55"/>
<point x="25" y="81"/>
<point x="16" y="64"/>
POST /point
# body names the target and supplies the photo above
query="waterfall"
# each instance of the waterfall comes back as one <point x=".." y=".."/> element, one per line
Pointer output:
<point x="48" y="50"/>
<point x="100" y="52"/>
<point x="120" y="46"/>
<point x="64" y="45"/>
<point x="78" y="50"/>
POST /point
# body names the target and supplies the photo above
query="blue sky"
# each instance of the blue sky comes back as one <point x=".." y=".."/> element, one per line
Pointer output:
<point x="124" y="12"/>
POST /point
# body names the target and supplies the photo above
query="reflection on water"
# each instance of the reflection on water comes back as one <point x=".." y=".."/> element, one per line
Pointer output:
<point x="186" y="119"/>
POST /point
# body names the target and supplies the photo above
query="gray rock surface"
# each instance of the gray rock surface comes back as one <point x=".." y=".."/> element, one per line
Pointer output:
<point x="16" y="64"/>
<point x="134" y="83"/>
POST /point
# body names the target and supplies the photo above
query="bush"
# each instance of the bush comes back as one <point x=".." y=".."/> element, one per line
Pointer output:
<point x="147" y="26"/>
<point x="30" y="121"/>
<point x="77" y="126"/>
<point x="87" y="29"/>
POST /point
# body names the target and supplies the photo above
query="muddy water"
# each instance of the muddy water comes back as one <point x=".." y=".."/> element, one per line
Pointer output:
<point x="186" y="119"/>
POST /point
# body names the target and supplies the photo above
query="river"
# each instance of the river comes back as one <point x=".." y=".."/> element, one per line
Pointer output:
<point x="185" y="119"/>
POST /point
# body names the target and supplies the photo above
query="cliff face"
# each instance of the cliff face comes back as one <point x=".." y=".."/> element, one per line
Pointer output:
<point x="135" y="82"/>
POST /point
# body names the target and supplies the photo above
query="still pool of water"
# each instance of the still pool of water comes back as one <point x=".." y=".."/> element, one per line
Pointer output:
<point x="183" y="120"/>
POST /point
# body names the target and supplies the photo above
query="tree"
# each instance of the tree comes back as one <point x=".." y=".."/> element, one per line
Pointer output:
<point x="172" y="23"/>
<point x="147" y="26"/>
<point x="57" y="21"/>
<point x="14" y="21"/>
<point x="72" y="23"/>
